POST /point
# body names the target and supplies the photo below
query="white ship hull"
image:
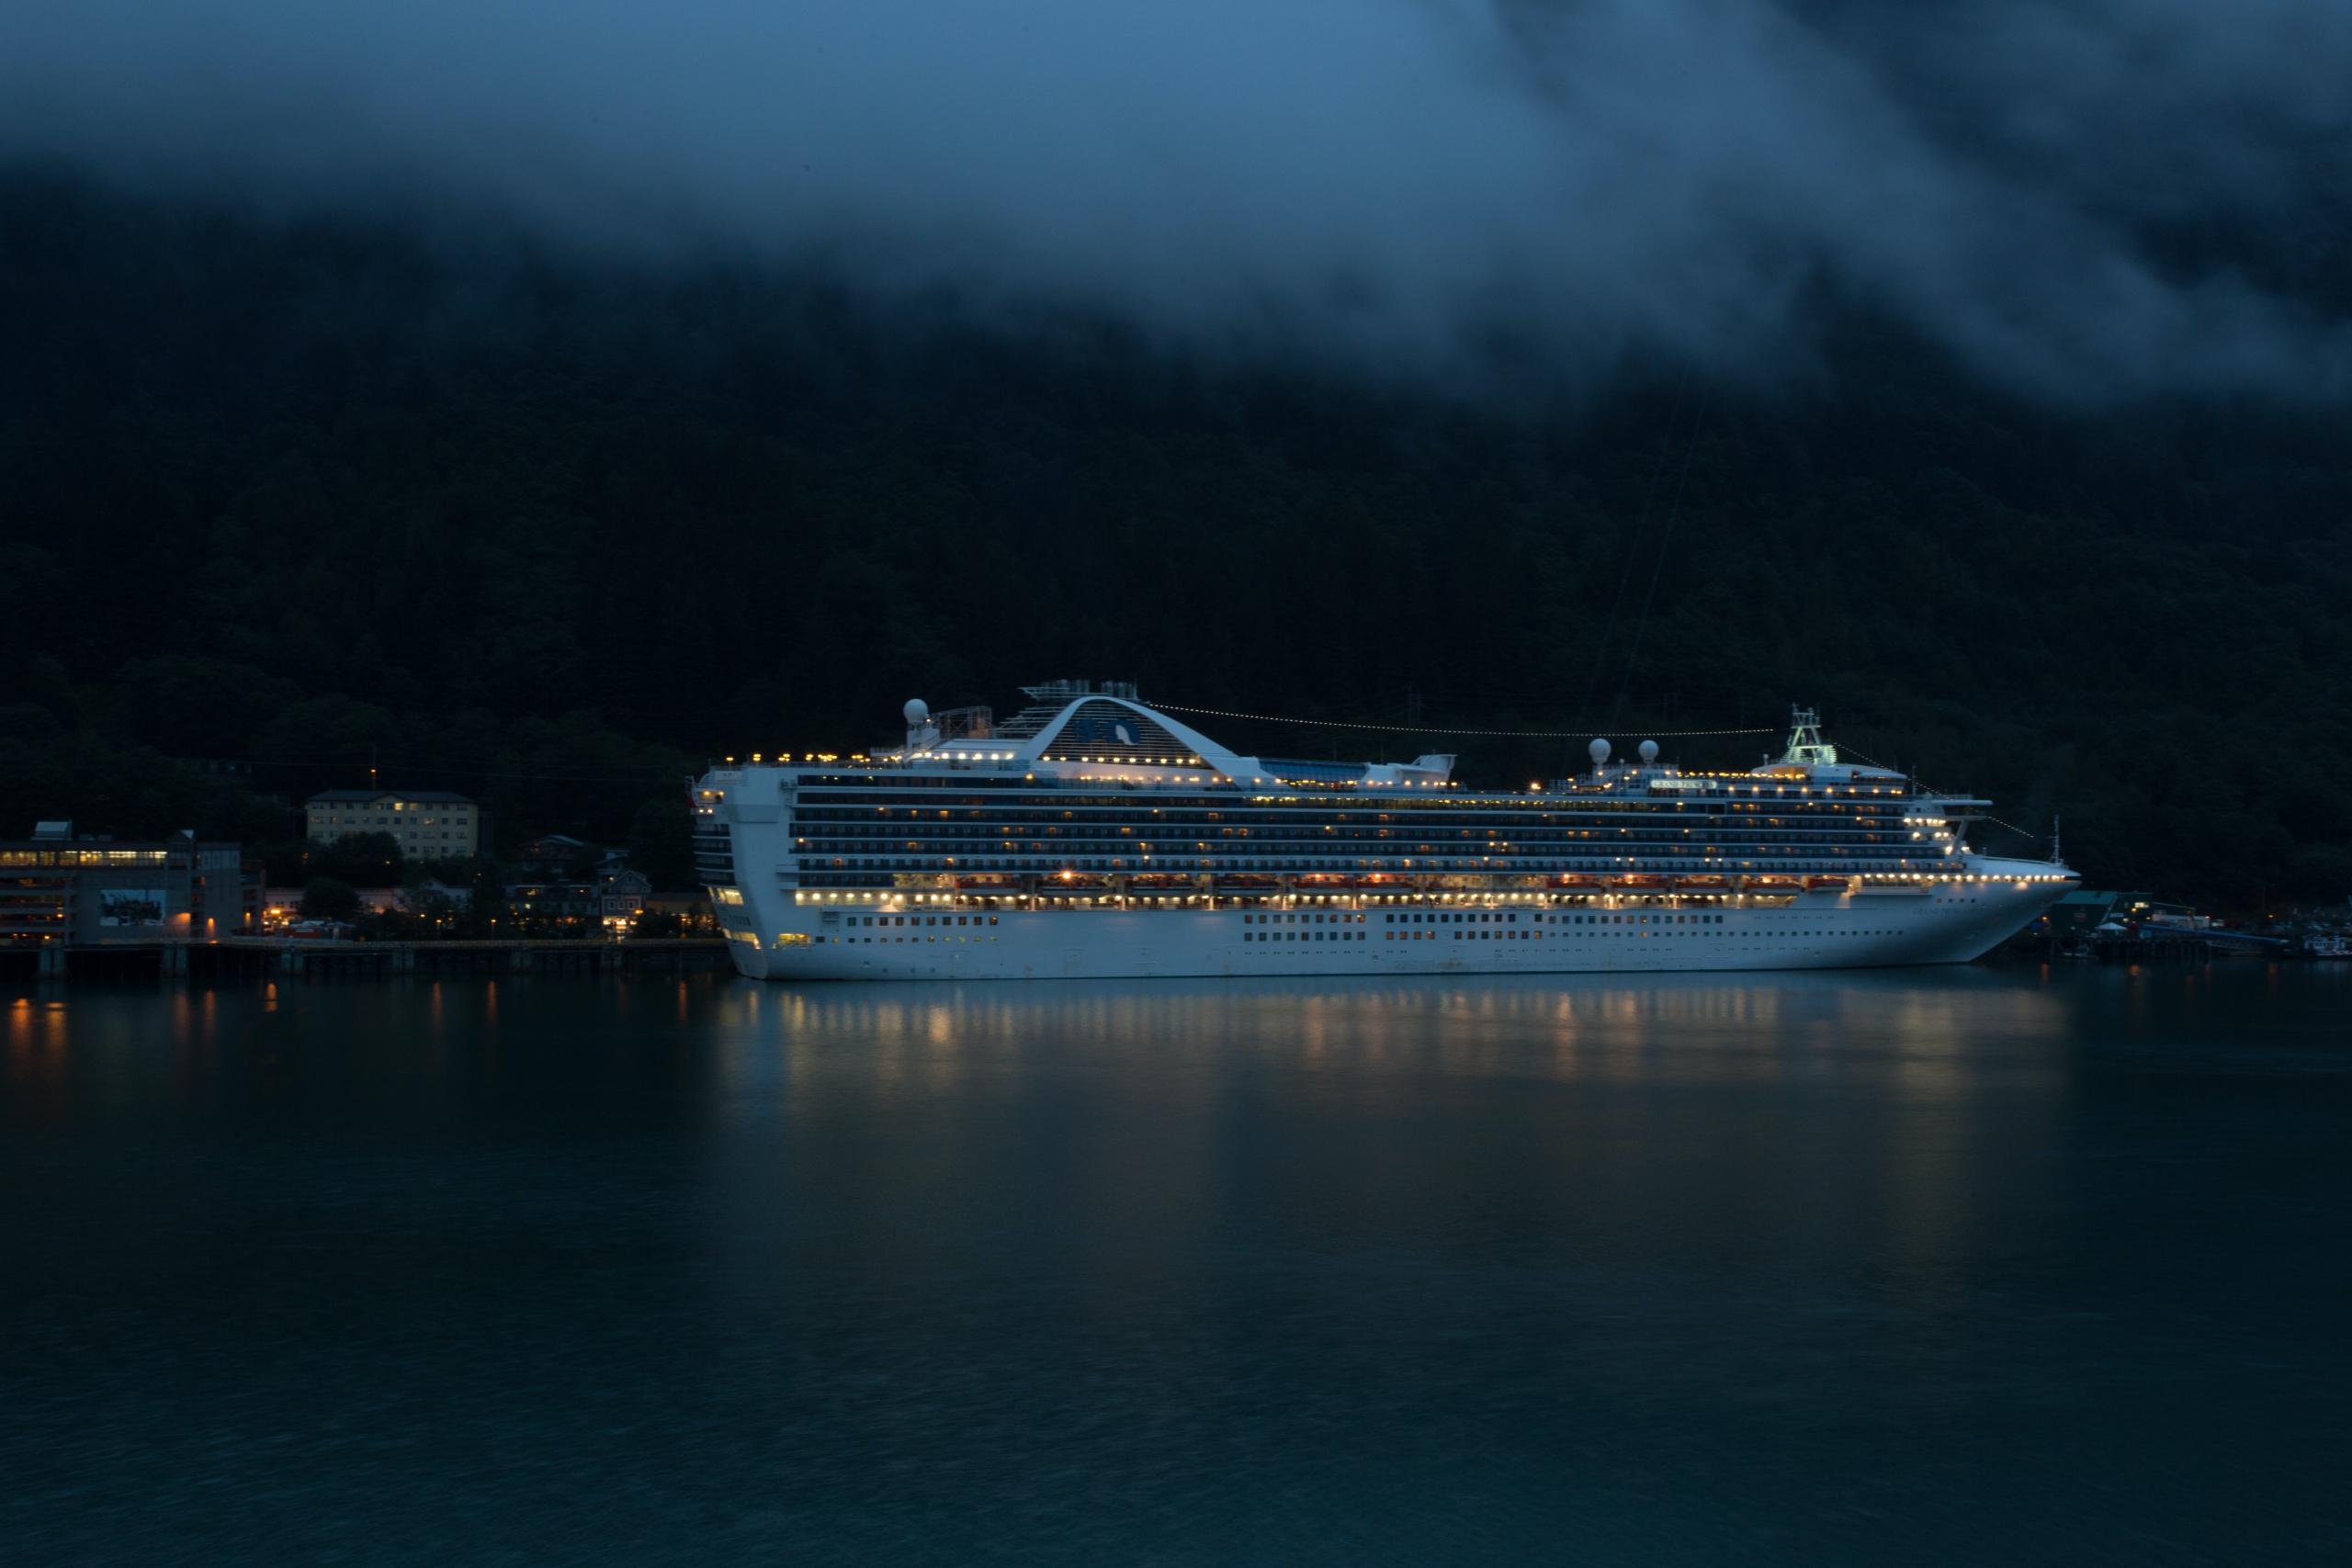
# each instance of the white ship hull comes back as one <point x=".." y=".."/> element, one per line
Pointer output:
<point x="1094" y="838"/>
<point x="776" y="938"/>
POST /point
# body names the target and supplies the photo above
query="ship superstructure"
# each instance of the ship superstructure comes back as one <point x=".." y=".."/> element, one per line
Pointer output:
<point x="1091" y="835"/>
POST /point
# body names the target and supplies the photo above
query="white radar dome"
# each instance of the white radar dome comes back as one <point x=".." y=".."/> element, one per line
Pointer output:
<point x="1649" y="750"/>
<point x="1599" y="750"/>
<point x="916" y="710"/>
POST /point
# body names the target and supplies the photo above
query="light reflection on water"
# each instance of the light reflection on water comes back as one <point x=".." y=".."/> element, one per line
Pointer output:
<point x="1952" y="1266"/>
<point x="1927" y="1040"/>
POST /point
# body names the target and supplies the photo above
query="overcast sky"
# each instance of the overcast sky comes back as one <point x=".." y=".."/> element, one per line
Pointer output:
<point x="1401" y="184"/>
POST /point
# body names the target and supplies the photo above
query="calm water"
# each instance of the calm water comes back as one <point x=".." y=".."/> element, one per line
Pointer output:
<point x="1935" y="1267"/>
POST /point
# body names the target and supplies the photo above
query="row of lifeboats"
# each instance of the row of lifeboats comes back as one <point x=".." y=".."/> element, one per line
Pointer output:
<point x="1628" y="882"/>
<point x="1643" y="882"/>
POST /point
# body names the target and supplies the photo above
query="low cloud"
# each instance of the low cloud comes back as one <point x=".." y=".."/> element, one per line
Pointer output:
<point x="1418" y="188"/>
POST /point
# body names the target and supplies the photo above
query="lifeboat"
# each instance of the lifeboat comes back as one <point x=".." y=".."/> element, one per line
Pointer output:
<point x="1774" y="885"/>
<point x="1826" y="884"/>
<point x="1074" y="881"/>
<point x="1702" y="884"/>
<point x="1577" y="884"/>
<point x="1247" y="884"/>
<point x="1640" y="882"/>
<point x="988" y="883"/>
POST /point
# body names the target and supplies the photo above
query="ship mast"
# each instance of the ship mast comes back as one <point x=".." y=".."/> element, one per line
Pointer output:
<point x="1807" y="748"/>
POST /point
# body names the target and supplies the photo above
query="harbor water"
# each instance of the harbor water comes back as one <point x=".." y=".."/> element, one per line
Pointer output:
<point x="1952" y="1266"/>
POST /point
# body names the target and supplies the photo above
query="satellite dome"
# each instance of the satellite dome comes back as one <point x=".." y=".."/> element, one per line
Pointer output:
<point x="1600" y="751"/>
<point x="1649" y="750"/>
<point x="916" y="710"/>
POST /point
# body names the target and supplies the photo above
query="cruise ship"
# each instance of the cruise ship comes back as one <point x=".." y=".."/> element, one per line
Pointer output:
<point x="1091" y="835"/>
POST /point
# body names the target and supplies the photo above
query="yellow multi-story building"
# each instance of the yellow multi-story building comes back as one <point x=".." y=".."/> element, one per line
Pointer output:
<point x="428" y="824"/>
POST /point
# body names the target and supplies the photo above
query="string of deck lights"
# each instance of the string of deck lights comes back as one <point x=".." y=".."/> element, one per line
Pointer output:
<point x="1424" y="729"/>
<point x="1987" y="816"/>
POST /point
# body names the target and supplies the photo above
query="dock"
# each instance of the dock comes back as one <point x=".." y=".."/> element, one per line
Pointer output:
<point x="234" y="959"/>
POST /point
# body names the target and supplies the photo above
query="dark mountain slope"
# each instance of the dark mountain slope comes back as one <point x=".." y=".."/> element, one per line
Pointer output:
<point x="297" y="493"/>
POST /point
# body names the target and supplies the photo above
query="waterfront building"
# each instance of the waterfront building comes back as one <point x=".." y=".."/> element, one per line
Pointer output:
<point x="2083" y="911"/>
<point x="77" y="892"/>
<point x="281" y="905"/>
<point x="555" y="900"/>
<point x="554" y="854"/>
<point x="456" y="896"/>
<point x="622" y="894"/>
<point x="428" y="824"/>
<point x="691" y="911"/>
<point x="1091" y="835"/>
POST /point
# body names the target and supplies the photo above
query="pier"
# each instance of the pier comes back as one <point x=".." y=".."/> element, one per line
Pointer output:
<point x="2152" y="947"/>
<point x="264" y="958"/>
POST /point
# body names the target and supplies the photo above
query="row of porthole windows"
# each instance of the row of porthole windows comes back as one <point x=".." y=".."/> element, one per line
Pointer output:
<point x="919" y="920"/>
<point x="949" y="834"/>
<point x="816" y="866"/>
<point x="1346" y="936"/>
<point x="1111" y="855"/>
<point x="922" y="919"/>
<point x="1475" y="918"/>
<point x="1532" y="936"/>
<point x="1304" y="936"/>
<point x="1508" y="935"/>
<point x="1637" y="920"/>
<point x="1310" y="919"/>
<point x="827" y="805"/>
<point x="1454" y="916"/>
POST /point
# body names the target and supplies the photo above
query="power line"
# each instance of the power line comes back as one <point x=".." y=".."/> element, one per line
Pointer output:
<point x="450" y="769"/>
<point x="1399" y="729"/>
<point x="2020" y="832"/>
<point x="1874" y="763"/>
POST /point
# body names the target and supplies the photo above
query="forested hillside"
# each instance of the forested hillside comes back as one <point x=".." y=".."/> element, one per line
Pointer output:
<point x="299" y="496"/>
